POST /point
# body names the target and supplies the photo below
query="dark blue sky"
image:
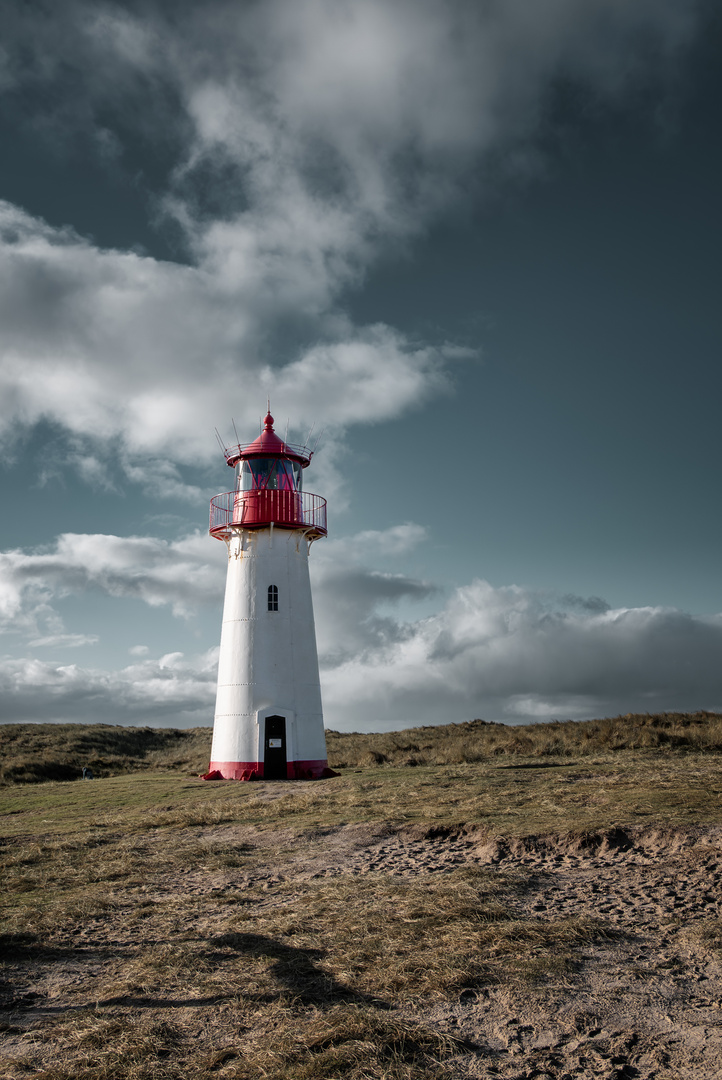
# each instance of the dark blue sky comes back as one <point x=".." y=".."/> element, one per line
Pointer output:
<point x="589" y="432"/>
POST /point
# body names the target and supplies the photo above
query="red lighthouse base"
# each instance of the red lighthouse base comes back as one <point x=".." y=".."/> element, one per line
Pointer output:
<point x="254" y="770"/>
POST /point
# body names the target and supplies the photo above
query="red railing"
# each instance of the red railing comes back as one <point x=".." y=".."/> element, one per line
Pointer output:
<point x="255" y="509"/>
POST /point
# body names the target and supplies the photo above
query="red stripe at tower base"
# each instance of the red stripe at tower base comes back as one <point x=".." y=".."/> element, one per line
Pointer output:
<point x="253" y="770"/>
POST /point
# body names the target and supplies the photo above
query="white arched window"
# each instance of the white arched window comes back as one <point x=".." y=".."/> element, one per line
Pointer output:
<point x="273" y="597"/>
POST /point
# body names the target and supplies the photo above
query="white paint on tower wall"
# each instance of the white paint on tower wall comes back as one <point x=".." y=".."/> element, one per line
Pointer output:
<point x="268" y="663"/>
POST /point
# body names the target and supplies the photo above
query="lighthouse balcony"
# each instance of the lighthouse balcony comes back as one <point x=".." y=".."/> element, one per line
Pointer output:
<point x="257" y="509"/>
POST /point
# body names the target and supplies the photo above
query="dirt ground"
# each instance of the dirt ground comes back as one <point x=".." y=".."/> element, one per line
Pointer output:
<point x="646" y="1004"/>
<point x="645" y="1001"/>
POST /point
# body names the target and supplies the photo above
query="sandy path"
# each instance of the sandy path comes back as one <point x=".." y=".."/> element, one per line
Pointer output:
<point x="645" y="1003"/>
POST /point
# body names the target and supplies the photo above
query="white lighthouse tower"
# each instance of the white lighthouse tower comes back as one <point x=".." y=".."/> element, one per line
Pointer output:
<point x="268" y="722"/>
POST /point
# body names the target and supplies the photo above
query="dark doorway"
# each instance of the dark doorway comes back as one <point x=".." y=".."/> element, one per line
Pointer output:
<point x="274" y="749"/>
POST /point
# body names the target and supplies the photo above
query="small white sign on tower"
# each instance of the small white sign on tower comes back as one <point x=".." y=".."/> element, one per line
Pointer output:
<point x="269" y="721"/>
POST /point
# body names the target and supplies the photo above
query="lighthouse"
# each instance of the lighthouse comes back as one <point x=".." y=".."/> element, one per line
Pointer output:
<point x="268" y="722"/>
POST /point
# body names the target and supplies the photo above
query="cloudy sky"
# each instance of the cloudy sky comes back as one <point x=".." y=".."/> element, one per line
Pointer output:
<point x="476" y="242"/>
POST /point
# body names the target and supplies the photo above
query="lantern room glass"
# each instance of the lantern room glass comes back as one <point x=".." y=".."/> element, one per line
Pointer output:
<point x="269" y="474"/>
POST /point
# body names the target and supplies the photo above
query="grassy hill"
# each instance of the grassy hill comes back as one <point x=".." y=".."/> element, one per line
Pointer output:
<point x="31" y="753"/>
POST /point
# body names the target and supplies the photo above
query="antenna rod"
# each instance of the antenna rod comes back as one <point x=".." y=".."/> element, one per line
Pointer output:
<point x="220" y="442"/>
<point x="308" y="437"/>
<point x="318" y="439"/>
<point x="285" y="438"/>
<point x="234" y="428"/>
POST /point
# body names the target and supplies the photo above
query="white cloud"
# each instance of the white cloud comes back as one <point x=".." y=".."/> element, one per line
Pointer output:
<point x="352" y="597"/>
<point x="180" y="692"/>
<point x="309" y="135"/>
<point x="140" y="358"/>
<point x="377" y="543"/>
<point x="506" y="653"/>
<point x="63" y="641"/>
<point x="503" y="654"/>
<point x="183" y="574"/>
<point x="516" y="655"/>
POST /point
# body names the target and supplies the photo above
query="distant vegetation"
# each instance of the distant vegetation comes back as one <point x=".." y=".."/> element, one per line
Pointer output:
<point x="477" y="740"/>
<point x="31" y="753"/>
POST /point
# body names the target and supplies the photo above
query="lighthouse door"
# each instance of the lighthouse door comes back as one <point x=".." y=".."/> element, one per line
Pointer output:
<point x="274" y="749"/>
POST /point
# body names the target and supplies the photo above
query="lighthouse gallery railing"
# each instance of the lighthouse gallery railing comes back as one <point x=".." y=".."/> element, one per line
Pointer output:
<point x="254" y="509"/>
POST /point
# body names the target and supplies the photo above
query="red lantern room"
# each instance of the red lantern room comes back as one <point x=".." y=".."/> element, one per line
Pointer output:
<point x="269" y="488"/>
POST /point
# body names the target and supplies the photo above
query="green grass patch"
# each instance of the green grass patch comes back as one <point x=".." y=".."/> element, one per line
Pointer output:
<point x="677" y="787"/>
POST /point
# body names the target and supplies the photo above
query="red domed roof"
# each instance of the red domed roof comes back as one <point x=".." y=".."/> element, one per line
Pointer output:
<point x="268" y="444"/>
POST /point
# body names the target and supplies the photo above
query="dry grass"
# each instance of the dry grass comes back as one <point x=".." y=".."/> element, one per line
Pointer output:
<point x="165" y="931"/>
<point x="302" y="982"/>
<point x="515" y="797"/>
<point x="436" y="936"/>
<point x="707" y="933"/>
<point x="347" y="1041"/>
<point x="31" y="753"/>
<point x="478" y="740"/>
